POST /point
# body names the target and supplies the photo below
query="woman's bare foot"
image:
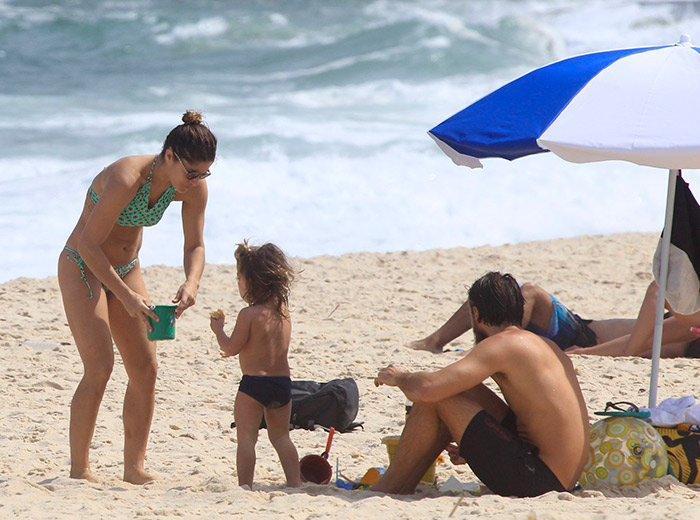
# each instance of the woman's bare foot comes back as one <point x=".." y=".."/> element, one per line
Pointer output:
<point x="138" y="477"/>
<point x="84" y="474"/>
<point x="424" y="344"/>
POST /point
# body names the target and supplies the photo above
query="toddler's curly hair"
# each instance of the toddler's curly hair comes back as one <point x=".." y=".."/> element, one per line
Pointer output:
<point x="267" y="273"/>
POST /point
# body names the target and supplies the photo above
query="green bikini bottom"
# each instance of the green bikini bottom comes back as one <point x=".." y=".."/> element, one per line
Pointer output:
<point x="121" y="270"/>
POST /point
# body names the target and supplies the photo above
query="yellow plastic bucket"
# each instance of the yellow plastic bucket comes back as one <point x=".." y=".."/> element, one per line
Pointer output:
<point x="391" y="441"/>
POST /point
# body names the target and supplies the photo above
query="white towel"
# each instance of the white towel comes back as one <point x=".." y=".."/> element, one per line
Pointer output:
<point x="673" y="411"/>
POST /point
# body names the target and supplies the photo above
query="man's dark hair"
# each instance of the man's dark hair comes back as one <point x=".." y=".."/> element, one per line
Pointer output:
<point x="498" y="299"/>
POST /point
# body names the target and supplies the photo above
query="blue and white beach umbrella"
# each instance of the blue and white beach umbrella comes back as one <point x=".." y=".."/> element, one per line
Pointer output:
<point x="640" y="105"/>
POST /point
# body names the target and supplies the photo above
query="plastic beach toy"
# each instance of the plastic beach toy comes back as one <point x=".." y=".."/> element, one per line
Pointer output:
<point x="391" y="441"/>
<point x="315" y="468"/>
<point x="623" y="451"/>
<point x="165" y="328"/>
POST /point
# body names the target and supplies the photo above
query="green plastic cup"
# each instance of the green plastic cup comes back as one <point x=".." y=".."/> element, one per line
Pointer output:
<point x="165" y="328"/>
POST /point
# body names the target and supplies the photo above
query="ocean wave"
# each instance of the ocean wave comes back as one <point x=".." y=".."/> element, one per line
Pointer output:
<point x="201" y="30"/>
<point x="321" y="109"/>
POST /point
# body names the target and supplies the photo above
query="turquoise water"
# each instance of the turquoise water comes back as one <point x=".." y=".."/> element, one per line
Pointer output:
<point x="321" y="109"/>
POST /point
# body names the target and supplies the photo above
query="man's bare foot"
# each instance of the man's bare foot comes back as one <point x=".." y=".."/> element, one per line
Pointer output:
<point x="424" y="344"/>
<point x="138" y="477"/>
<point x="84" y="474"/>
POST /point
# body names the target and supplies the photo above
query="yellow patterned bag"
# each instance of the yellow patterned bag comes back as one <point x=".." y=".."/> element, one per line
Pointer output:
<point x="683" y="447"/>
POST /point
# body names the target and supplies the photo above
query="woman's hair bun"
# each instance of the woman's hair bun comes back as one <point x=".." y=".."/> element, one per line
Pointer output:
<point x="192" y="117"/>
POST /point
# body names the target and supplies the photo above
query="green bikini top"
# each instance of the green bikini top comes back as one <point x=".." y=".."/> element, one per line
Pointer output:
<point x="137" y="212"/>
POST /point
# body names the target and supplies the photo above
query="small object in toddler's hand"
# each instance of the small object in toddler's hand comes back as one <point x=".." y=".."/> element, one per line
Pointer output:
<point x="695" y="330"/>
<point x="219" y="313"/>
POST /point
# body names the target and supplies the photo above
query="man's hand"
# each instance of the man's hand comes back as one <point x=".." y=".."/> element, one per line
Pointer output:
<point x="453" y="451"/>
<point x="388" y="376"/>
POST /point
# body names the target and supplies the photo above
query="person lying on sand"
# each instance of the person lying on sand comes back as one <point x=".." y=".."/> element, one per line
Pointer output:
<point x="548" y="317"/>
<point x="532" y="441"/>
<point x="678" y="340"/>
<point x="543" y="315"/>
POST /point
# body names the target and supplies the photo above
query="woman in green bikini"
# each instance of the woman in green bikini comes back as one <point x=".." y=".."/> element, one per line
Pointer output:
<point x="103" y="292"/>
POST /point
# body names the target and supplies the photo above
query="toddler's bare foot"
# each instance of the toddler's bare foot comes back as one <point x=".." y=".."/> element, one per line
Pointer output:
<point x="84" y="474"/>
<point x="424" y="344"/>
<point x="138" y="477"/>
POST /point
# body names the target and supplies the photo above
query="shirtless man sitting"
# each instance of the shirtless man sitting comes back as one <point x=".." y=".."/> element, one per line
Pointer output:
<point x="533" y="442"/>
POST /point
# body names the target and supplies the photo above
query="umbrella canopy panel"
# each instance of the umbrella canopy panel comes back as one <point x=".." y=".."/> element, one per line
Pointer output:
<point x="592" y="107"/>
<point x="637" y="110"/>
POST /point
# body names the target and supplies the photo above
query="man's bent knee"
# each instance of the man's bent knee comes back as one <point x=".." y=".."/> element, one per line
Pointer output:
<point x="458" y="411"/>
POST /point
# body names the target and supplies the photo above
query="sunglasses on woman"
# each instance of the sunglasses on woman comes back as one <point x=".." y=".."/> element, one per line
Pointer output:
<point x="192" y="174"/>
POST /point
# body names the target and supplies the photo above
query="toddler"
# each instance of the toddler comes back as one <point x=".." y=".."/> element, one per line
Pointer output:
<point x="261" y="339"/>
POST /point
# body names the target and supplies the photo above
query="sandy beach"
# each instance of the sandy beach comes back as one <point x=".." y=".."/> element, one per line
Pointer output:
<point x="351" y="314"/>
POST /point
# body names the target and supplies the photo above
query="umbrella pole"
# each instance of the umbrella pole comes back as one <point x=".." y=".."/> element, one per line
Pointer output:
<point x="661" y="282"/>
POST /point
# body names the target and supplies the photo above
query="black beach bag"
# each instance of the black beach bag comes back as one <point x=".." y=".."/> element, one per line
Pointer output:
<point x="332" y="404"/>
